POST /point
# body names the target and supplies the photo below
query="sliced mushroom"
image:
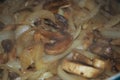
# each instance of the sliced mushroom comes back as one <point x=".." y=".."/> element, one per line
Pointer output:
<point x="38" y="37"/>
<point x="50" y="35"/>
<point x="62" y="22"/>
<point x="59" y="46"/>
<point x="97" y="63"/>
<point x="50" y="23"/>
<point x="101" y="45"/>
<point x="80" y="69"/>
<point x="58" y="42"/>
<point x="81" y="58"/>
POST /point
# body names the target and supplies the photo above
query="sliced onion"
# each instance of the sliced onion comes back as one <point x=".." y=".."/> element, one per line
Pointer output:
<point x="39" y="15"/>
<point x="5" y="76"/>
<point x="66" y="76"/>
<point x="88" y="54"/>
<point x="4" y="66"/>
<point x="24" y="40"/>
<point x="14" y="64"/>
<point x="111" y="33"/>
<point x="21" y="29"/>
<point x="6" y="35"/>
<point x="79" y="19"/>
<point x="77" y="32"/>
<point x="114" y="20"/>
<point x="30" y="75"/>
<point x="46" y="75"/>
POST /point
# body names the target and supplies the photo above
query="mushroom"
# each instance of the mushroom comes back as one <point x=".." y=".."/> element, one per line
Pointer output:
<point x="59" y="46"/>
<point x="100" y="45"/>
<point x="95" y="62"/>
<point x="80" y="69"/>
<point x="50" y="34"/>
<point x="58" y="43"/>
<point x="31" y="55"/>
<point x="82" y="65"/>
<point x="62" y="22"/>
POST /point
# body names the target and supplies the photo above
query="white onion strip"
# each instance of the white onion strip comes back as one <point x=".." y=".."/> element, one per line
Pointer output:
<point x="111" y="33"/>
<point x="21" y="29"/>
<point x="114" y="20"/>
<point x="6" y="35"/>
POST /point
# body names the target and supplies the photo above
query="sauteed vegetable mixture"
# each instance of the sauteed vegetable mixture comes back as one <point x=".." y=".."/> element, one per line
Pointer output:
<point x="59" y="39"/>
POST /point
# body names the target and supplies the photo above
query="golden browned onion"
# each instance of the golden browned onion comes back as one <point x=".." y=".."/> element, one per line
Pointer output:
<point x="54" y="5"/>
<point x="31" y="18"/>
<point x="31" y="55"/>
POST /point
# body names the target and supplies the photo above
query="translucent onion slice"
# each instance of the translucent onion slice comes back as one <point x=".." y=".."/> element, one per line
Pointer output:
<point x="21" y="29"/>
<point x="111" y="33"/>
<point x="6" y="35"/>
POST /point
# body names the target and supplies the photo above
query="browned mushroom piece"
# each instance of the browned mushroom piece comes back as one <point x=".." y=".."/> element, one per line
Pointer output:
<point x="51" y="35"/>
<point x="54" y="5"/>
<point x="58" y="46"/>
<point x="54" y="42"/>
<point x="80" y="69"/>
<point x="81" y="58"/>
<point x="38" y="37"/>
<point x="97" y="63"/>
<point x="62" y="22"/>
<point x="100" y="45"/>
